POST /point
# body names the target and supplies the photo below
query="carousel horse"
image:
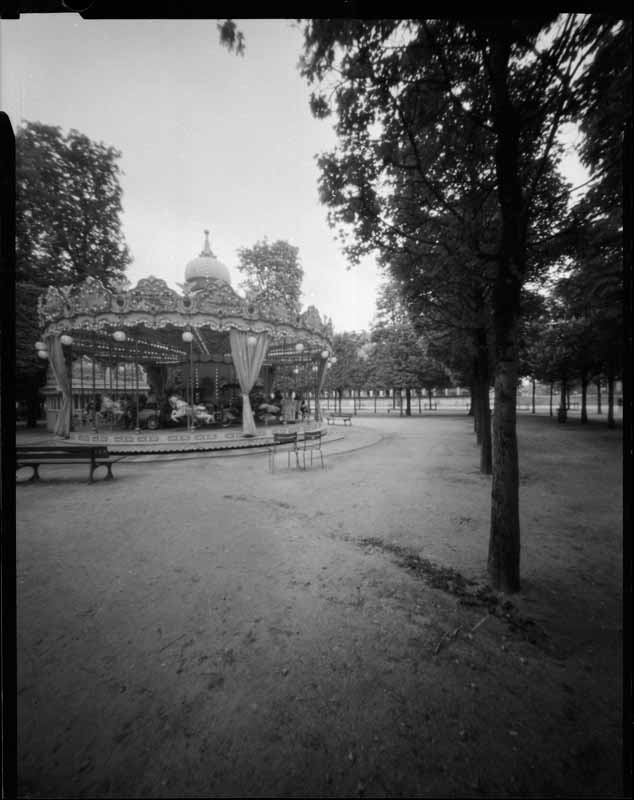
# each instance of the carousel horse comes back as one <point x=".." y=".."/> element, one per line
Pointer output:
<point x="182" y="410"/>
<point x="111" y="411"/>
<point x="269" y="413"/>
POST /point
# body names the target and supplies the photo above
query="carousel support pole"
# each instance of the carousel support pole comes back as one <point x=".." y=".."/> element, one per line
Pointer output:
<point x="136" y="382"/>
<point x="81" y="389"/>
<point x="110" y="385"/>
<point x="190" y="417"/>
<point x="70" y="385"/>
<point x="94" y="394"/>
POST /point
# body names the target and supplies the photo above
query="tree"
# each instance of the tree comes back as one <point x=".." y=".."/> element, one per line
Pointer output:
<point x="400" y="358"/>
<point x="68" y="209"/>
<point x="409" y="95"/>
<point x="273" y="274"/>
<point x="68" y="226"/>
<point x="602" y="242"/>
<point x="350" y="370"/>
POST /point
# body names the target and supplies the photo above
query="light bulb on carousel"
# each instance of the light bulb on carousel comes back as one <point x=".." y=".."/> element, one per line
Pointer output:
<point x="324" y="354"/>
<point x="119" y="336"/>
<point x="66" y="339"/>
<point x="40" y="346"/>
<point x="42" y="353"/>
<point x="299" y="347"/>
<point x="252" y="340"/>
<point x="188" y="336"/>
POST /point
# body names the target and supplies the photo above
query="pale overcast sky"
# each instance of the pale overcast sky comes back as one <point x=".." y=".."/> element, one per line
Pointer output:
<point x="208" y="140"/>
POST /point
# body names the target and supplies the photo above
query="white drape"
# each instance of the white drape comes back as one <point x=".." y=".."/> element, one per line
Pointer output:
<point x="60" y="373"/>
<point x="248" y="360"/>
<point x="321" y="379"/>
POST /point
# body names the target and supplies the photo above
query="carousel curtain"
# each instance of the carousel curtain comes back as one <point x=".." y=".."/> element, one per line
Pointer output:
<point x="321" y="379"/>
<point x="60" y="373"/>
<point x="248" y="361"/>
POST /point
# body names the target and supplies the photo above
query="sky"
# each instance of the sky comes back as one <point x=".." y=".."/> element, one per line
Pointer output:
<point x="208" y="140"/>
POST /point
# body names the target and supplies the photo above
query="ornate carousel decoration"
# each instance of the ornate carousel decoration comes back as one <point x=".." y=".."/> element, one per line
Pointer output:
<point x="193" y="351"/>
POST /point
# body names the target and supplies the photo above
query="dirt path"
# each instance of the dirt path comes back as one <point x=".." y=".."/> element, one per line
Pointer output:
<point x="202" y="627"/>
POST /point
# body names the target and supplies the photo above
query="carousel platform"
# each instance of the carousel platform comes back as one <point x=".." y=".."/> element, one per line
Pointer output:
<point x="173" y="440"/>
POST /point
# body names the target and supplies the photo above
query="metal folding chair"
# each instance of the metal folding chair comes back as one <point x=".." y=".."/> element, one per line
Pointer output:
<point x="312" y="444"/>
<point x="283" y="441"/>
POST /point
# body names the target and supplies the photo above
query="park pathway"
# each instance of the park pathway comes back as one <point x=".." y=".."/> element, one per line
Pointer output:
<point x="202" y="627"/>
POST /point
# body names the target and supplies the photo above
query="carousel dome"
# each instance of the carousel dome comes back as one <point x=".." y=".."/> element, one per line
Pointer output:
<point x="206" y="265"/>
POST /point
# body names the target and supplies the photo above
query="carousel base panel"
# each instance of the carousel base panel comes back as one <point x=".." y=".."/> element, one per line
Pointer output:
<point x="174" y="441"/>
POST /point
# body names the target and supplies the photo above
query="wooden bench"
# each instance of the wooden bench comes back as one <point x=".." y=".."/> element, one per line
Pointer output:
<point x="345" y="418"/>
<point x="35" y="455"/>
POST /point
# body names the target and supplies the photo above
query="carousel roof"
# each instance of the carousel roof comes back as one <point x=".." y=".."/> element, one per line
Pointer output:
<point x="153" y="318"/>
<point x="206" y="265"/>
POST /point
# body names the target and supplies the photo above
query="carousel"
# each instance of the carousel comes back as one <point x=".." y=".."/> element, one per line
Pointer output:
<point x="149" y="369"/>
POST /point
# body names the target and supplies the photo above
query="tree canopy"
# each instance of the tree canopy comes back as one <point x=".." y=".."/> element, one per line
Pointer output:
<point x="446" y="166"/>
<point x="272" y="273"/>
<point x="68" y="208"/>
<point x="68" y="226"/>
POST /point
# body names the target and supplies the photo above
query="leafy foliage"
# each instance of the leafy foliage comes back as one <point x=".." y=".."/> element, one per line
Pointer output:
<point x="68" y="208"/>
<point x="273" y="274"/>
<point x="231" y="37"/>
<point x="445" y="166"/>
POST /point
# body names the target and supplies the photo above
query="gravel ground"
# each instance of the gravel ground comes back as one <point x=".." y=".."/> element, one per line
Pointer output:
<point x="202" y="627"/>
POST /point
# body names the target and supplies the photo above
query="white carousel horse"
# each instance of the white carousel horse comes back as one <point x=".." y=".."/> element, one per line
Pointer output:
<point x="269" y="412"/>
<point x="111" y="410"/>
<point x="181" y="409"/>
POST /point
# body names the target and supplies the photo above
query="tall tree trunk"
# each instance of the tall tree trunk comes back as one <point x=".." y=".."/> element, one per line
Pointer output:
<point x="533" y="394"/>
<point x="584" y="398"/>
<point x="611" y="422"/>
<point x="408" y="402"/>
<point x="475" y="403"/>
<point x="504" y="540"/>
<point x="471" y="393"/>
<point x="551" y="398"/>
<point x="484" y="428"/>
<point x="598" y="384"/>
<point x="483" y="408"/>
<point x="562" y="411"/>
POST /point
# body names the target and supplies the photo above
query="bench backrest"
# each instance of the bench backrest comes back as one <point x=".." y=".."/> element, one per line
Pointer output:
<point x="284" y="438"/>
<point x="61" y="450"/>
